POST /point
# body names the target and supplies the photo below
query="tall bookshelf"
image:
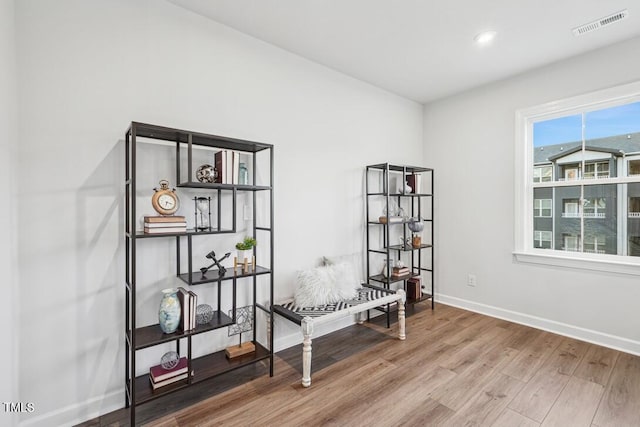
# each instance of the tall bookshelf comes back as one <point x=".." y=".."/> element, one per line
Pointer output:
<point x="388" y="235"/>
<point x="139" y="336"/>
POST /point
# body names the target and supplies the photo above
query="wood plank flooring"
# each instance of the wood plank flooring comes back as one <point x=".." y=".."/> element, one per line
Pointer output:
<point x="456" y="368"/>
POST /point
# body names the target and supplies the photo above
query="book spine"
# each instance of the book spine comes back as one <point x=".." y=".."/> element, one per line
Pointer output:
<point x="161" y="230"/>
<point x="219" y="165"/>
<point x="165" y="225"/>
<point x="164" y="219"/>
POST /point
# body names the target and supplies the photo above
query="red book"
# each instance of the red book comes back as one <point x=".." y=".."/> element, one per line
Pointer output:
<point x="158" y="373"/>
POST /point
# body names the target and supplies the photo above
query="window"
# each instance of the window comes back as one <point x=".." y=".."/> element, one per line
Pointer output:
<point x="571" y="208"/>
<point x="544" y="173"/>
<point x="596" y="170"/>
<point x="542" y="208"/>
<point x="594" y="208"/>
<point x="578" y="196"/>
<point x="570" y="242"/>
<point x="595" y="244"/>
<point x="542" y="239"/>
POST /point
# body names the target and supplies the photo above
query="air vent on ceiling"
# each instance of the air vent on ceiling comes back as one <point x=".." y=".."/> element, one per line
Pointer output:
<point x="599" y="23"/>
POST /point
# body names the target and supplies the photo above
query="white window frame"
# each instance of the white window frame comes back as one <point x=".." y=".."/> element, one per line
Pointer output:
<point x="524" y="185"/>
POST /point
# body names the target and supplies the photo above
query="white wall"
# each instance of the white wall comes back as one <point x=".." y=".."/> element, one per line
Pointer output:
<point x="86" y="69"/>
<point x="469" y="140"/>
<point x="8" y="134"/>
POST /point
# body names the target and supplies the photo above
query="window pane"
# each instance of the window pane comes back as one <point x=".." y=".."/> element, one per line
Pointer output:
<point x="567" y="221"/>
<point x="542" y="217"/>
<point x="600" y="218"/>
<point x="620" y="120"/>
<point x="633" y="219"/>
<point x="552" y="139"/>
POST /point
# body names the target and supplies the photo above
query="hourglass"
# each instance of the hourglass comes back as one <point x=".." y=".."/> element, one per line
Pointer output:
<point x="203" y="213"/>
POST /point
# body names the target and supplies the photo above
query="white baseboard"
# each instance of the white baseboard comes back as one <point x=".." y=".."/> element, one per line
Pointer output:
<point x="78" y="412"/>
<point x="600" y="338"/>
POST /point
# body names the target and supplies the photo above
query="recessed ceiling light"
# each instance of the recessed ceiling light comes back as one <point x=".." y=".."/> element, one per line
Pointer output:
<point x="485" y="37"/>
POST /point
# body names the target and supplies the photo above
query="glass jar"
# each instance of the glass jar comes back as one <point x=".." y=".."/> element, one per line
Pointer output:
<point x="243" y="174"/>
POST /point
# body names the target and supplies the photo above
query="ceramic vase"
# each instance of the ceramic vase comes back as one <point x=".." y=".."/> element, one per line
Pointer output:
<point x="169" y="311"/>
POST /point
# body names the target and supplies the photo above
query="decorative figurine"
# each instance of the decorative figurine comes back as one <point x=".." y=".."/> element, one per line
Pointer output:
<point x="206" y="174"/>
<point x="244" y="323"/>
<point x="212" y="256"/>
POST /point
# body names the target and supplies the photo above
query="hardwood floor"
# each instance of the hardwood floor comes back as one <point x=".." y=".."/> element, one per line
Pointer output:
<point x="456" y="368"/>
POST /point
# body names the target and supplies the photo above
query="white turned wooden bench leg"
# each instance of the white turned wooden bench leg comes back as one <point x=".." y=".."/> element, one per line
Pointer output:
<point x="401" y="315"/>
<point x="307" y="331"/>
<point x="360" y="317"/>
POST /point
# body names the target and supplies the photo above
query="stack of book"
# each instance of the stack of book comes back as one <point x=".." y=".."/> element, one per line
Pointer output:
<point x="227" y="164"/>
<point x="161" y="377"/>
<point x="414" y="288"/>
<point x="400" y="272"/>
<point x="188" y="304"/>
<point x="164" y="224"/>
<point x="415" y="183"/>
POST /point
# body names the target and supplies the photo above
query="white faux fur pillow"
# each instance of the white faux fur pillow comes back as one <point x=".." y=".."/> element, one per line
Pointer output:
<point x="325" y="285"/>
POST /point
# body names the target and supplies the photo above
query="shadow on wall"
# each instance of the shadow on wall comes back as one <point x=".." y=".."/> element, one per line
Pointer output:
<point x="100" y="285"/>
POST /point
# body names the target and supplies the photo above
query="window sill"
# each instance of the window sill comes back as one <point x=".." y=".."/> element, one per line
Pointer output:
<point x="583" y="262"/>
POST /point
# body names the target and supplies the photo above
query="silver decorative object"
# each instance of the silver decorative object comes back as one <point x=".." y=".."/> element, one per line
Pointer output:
<point x="415" y="225"/>
<point x="244" y="321"/>
<point x="204" y="314"/>
<point x="206" y="174"/>
<point x="169" y="360"/>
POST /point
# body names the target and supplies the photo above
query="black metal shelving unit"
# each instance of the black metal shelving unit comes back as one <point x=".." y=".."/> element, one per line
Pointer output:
<point x="378" y="183"/>
<point x="138" y="389"/>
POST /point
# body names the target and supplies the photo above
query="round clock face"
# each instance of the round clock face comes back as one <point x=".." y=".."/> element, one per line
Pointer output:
<point x="166" y="202"/>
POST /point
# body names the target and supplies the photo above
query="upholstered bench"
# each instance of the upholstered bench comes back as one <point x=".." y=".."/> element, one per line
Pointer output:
<point x="367" y="297"/>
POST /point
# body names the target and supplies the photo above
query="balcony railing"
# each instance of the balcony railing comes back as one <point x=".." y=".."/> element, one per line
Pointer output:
<point x="594" y="215"/>
<point x="634" y="214"/>
<point x="594" y="251"/>
<point x="584" y="215"/>
<point x="594" y="176"/>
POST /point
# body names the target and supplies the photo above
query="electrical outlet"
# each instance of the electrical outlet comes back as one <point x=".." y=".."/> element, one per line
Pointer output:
<point x="471" y="280"/>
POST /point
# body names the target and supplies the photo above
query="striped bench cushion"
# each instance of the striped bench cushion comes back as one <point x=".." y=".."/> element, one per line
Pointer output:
<point x="364" y="295"/>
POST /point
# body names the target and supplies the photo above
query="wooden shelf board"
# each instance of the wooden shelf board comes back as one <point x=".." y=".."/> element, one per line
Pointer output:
<point x="152" y="335"/>
<point x="380" y="278"/>
<point x="408" y="248"/>
<point x="416" y="301"/>
<point x="218" y="186"/>
<point x="203" y="368"/>
<point x="190" y="231"/>
<point x="212" y="275"/>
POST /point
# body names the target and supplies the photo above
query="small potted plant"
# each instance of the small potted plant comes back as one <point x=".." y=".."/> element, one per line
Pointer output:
<point x="244" y="247"/>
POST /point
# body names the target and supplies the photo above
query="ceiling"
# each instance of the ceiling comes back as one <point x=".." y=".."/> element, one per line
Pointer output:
<point x="423" y="49"/>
